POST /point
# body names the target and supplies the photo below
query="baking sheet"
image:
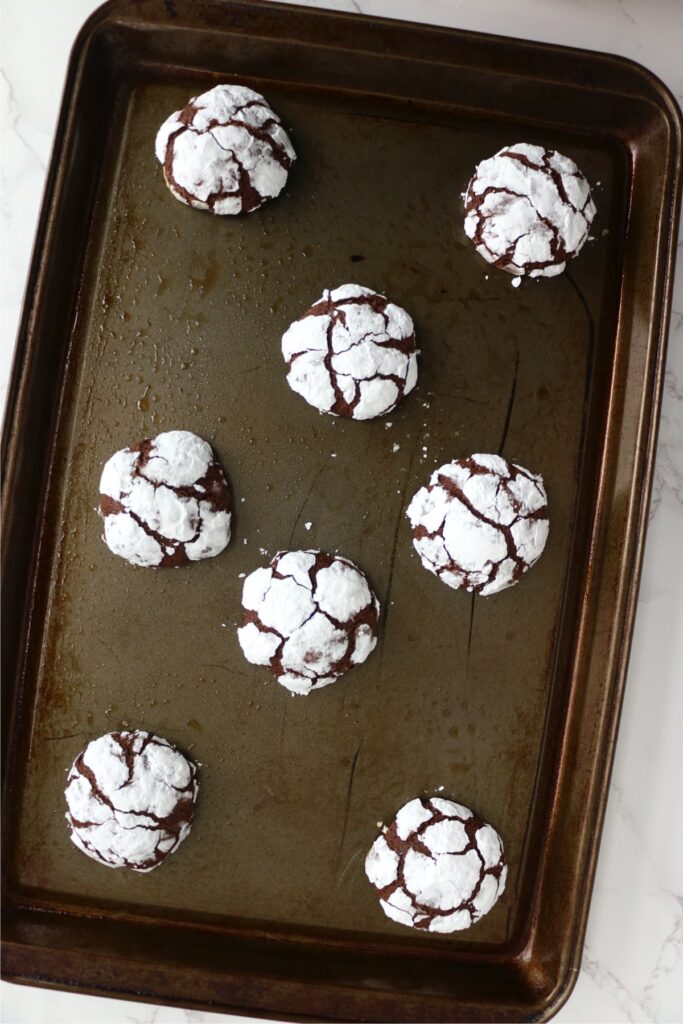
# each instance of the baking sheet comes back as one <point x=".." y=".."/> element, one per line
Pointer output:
<point x="179" y="320"/>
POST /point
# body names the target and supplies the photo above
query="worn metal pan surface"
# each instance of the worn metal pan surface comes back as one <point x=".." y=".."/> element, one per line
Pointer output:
<point x="144" y="315"/>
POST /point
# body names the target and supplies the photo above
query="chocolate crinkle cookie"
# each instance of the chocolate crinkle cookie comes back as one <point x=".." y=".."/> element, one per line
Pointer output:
<point x="529" y="210"/>
<point x="480" y="523"/>
<point x="437" y="867"/>
<point x="165" y="501"/>
<point x="131" y="799"/>
<point x="226" y="151"/>
<point x="308" y="617"/>
<point x="352" y="354"/>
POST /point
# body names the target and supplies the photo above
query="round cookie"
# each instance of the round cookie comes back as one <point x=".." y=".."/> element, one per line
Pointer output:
<point x="437" y="867"/>
<point x="529" y="210"/>
<point x="309" y="617"/>
<point x="165" y="501"/>
<point x="131" y="799"/>
<point x="225" y="151"/>
<point x="480" y="523"/>
<point x="352" y="354"/>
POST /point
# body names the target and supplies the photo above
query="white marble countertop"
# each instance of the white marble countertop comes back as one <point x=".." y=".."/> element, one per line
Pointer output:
<point x="633" y="959"/>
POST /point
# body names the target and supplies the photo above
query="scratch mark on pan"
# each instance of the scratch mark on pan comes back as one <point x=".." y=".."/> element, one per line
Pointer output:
<point x="349" y="787"/>
<point x="458" y="398"/>
<point x="465" y="299"/>
<point x="354" y="856"/>
<point x="586" y="308"/>
<point x="469" y="637"/>
<point x="304" y="502"/>
<point x="511" y="402"/>
<point x="590" y="356"/>
<point x="111" y="651"/>
<point x="225" y="668"/>
<point x="67" y="736"/>
<point x="394" y="545"/>
<point x="283" y="726"/>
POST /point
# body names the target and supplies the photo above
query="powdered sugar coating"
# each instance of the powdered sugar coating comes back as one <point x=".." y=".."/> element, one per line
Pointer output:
<point x="352" y="354"/>
<point x="437" y="867"/>
<point x="308" y="617"/>
<point x="131" y="799"/>
<point x="529" y="210"/>
<point x="165" y="501"/>
<point x="480" y="523"/>
<point x="225" y="151"/>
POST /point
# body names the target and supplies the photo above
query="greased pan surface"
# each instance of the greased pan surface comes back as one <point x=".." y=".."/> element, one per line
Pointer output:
<point x="510" y="703"/>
